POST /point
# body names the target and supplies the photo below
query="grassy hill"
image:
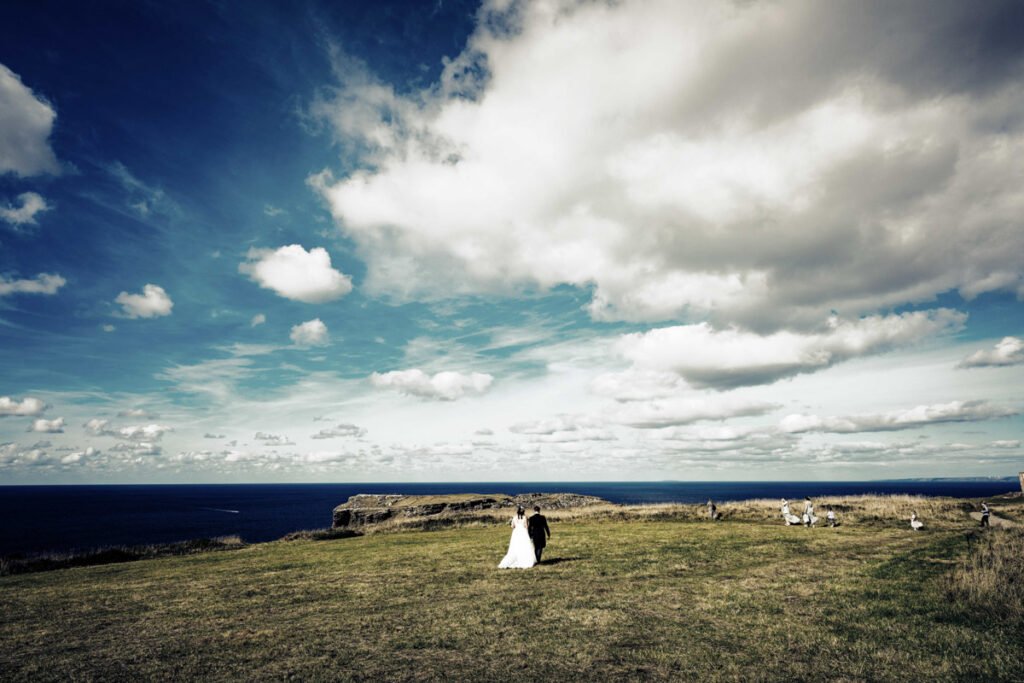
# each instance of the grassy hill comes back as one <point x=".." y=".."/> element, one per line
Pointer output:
<point x="647" y="593"/>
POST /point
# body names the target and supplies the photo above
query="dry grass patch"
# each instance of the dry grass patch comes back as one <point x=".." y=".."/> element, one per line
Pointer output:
<point x="991" y="578"/>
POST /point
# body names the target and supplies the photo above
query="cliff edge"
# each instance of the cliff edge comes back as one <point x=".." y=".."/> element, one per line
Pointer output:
<point x="367" y="509"/>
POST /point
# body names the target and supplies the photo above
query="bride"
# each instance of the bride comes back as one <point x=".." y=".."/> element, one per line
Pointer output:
<point x="520" y="548"/>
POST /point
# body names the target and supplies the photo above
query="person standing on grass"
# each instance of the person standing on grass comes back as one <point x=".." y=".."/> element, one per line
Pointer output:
<point x="830" y="517"/>
<point x="520" y="553"/>
<point x="915" y="523"/>
<point x="809" y="518"/>
<point x="712" y="510"/>
<point x="984" y="514"/>
<point x="539" y="531"/>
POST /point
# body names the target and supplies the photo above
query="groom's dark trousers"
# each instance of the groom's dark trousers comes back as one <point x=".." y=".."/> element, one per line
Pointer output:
<point x="539" y="531"/>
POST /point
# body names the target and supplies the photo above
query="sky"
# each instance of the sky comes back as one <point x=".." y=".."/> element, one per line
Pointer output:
<point x="510" y="241"/>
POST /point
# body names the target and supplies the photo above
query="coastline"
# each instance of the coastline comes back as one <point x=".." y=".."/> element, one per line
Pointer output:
<point x="867" y="510"/>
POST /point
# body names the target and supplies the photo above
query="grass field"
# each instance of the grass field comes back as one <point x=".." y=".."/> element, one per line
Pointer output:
<point x="645" y="598"/>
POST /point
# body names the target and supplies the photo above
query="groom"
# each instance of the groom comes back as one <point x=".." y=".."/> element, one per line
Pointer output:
<point x="537" y="526"/>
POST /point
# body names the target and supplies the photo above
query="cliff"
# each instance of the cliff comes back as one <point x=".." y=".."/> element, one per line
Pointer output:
<point x="366" y="509"/>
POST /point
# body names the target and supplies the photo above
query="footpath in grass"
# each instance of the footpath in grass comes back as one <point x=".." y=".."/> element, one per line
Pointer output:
<point x="614" y="600"/>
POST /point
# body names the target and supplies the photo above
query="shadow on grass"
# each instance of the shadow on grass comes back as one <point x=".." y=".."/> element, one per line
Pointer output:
<point x="559" y="560"/>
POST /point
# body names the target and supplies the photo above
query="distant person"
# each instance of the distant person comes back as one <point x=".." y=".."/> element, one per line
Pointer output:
<point x="791" y="519"/>
<point x="915" y="523"/>
<point x="830" y="517"/>
<point x="713" y="513"/>
<point x="539" y="531"/>
<point x="521" y="554"/>
<point x="809" y="518"/>
<point x="984" y="514"/>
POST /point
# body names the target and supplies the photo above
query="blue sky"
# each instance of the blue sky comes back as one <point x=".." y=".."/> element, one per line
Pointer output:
<point x="510" y="241"/>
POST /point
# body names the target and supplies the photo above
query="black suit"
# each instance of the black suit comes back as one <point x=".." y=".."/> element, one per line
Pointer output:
<point x="537" y="526"/>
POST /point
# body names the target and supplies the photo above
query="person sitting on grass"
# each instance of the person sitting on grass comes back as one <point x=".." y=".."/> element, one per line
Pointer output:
<point x="915" y="523"/>
<point x="984" y="514"/>
<point x="830" y="517"/>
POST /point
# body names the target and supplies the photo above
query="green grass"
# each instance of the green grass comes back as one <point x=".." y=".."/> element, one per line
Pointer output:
<point x="642" y="599"/>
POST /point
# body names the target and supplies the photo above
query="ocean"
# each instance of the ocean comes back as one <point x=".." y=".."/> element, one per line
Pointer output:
<point x="36" y="519"/>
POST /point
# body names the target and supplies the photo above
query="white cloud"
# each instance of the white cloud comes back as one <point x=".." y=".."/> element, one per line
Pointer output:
<point x="97" y="426"/>
<point x="44" y="283"/>
<point x="150" y="432"/>
<point x="1009" y="351"/>
<point x="637" y="385"/>
<point x="687" y="410"/>
<point x="295" y="273"/>
<point x="688" y="158"/>
<point x="137" y="433"/>
<point x="920" y="416"/>
<point x="78" y="456"/>
<point x="310" y="333"/>
<point x="26" y="407"/>
<point x="31" y="204"/>
<point x="445" y="386"/>
<point x="152" y="303"/>
<point x="137" y="448"/>
<point x="564" y="429"/>
<point x="26" y="122"/>
<point x="258" y="319"/>
<point x="109" y="328"/>
<point x="135" y="412"/>
<point x="48" y="426"/>
<point x="343" y="430"/>
<point x="728" y="358"/>
<point x="273" y="439"/>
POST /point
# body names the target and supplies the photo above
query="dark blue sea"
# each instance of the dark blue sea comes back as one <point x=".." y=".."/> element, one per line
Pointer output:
<point x="36" y="519"/>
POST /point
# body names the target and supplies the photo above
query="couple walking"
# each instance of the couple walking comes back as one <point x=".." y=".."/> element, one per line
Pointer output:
<point x="529" y="536"/>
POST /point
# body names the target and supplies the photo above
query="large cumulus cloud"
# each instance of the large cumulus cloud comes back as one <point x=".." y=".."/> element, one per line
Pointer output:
<point x="760" y="163"/>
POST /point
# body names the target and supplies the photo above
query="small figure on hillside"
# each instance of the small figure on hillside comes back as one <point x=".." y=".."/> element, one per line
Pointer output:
<point x="539" y="531"/>
<point x="713" y="514"/>
<point x="520" y="553"/>
<point x="809" y="518"/>
<point x="830" y="517"/>
<point x="791" y="519"/>
<point x="984" y="513"/>
<point x="915" y="523"/>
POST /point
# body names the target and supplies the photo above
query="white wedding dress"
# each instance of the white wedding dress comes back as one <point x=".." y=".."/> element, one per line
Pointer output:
<point x="521" y="554"/>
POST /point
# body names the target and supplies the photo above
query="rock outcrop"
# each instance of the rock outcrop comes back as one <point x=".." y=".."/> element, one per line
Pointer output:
<point x="368" y="509"/>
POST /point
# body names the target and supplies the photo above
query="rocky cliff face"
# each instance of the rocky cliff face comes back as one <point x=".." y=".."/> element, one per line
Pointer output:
<point x="367" y="509"/>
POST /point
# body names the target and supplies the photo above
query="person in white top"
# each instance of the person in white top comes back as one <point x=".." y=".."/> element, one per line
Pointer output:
<point x="809" y="518"/>
<point x="521" y="553"/>
<point x="790" y="518"/>
<point x="915" y="523"/>
<point x="830" y="517"/>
